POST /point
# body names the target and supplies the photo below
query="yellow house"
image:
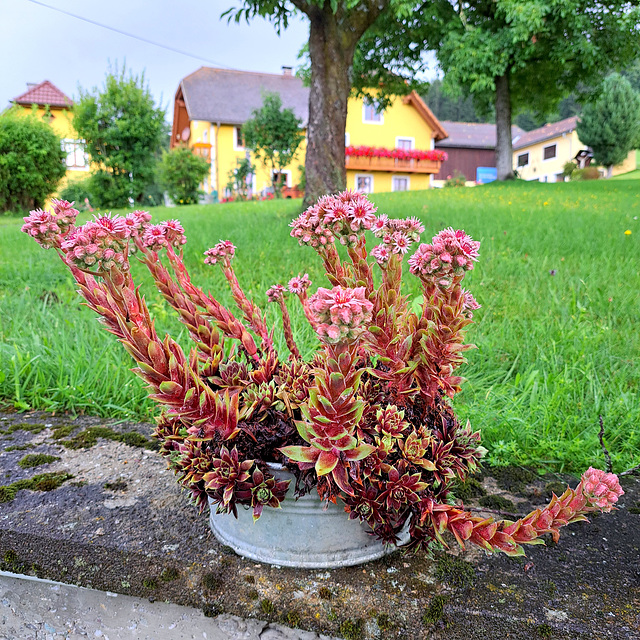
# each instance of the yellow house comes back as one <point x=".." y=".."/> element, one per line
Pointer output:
<point x="211" y="105"/>
<point x="541" y="154"/>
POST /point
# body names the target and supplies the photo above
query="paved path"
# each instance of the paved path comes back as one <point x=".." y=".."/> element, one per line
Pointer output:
<point x="32" y="609"/>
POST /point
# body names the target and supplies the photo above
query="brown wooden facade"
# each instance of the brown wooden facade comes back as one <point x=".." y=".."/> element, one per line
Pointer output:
<point x="465" y="161"/>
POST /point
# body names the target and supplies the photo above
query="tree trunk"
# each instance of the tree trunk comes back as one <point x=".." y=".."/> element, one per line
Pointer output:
<point x="504" y="149"/>
<point x="333" y="37"/>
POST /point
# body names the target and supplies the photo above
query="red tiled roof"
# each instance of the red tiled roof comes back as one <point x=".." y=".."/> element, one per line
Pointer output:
<point x="548" y="131"/>
<point x="44" y="93"/>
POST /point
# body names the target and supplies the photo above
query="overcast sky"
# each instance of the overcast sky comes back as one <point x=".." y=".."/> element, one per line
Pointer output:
<point x="39" y="43"/>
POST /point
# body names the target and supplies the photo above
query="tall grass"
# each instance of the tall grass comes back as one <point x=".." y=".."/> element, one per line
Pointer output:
<point x="557" y="335"/>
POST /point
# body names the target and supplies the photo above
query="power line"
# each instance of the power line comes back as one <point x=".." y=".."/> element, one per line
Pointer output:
<point x="129" y="35"/>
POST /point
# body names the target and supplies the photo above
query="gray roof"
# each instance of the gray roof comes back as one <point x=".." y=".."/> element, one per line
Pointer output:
<point x="229" y="97"/>
<point x="475" y="135"/>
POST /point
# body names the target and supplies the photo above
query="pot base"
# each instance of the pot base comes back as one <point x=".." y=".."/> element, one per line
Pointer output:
<point x="304" y="533"/>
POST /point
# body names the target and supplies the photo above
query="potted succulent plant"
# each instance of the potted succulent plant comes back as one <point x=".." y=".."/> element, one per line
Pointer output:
<point x="365" y="426"/>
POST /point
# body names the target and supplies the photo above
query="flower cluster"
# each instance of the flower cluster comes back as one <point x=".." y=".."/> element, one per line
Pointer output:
<point x="224" y="250"/>
<point x="342" y="217"/>
<point x="165" y="234"/>
<point x="137" y="222"/>
<point x="450" y="254"/>
<point x="340" y="313"/>
<point x="299" y="284"/>
<point x="99" y="245"/>
<point x="276" y="292"/>
<point x="431" y="155"/>
<point x="48" y="228"/>
<point x="601" y="489"/>
<point x="397" y="236"/>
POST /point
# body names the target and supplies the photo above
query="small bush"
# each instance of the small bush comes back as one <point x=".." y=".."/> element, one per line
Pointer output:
<point x="568" y="169"/>
<point x="78" y="191"/>
<point x="588" y="173"/>
<point x="180" y="172"/>
<point x="457" y="180"/>
<point x="31" y="162"/>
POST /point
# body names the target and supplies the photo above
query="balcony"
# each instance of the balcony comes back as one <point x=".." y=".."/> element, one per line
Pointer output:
<point x="392" y="165"/>
<point x="202" y="149"/>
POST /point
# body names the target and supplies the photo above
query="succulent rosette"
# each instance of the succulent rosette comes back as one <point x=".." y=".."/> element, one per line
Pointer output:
<point x="367" y="418"/>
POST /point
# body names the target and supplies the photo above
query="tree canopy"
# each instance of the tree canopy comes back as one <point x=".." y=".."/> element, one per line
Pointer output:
<point x="610" y="125"/>
<point x="124" y="132"/>
<point x="274" y="135"/>
<point x="509" y="54"/>
<point x="31" y="161"/>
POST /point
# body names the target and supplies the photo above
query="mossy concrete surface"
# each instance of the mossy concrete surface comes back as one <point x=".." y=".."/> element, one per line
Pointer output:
<point x="123" y="525"/>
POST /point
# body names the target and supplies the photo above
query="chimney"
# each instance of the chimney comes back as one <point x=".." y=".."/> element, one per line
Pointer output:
<point x="287" y="71"/>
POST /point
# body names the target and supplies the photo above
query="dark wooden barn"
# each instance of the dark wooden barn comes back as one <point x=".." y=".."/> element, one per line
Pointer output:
<point x="470" y="145"/>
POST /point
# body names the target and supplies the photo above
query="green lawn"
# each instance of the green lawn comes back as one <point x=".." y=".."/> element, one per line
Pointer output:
<point x="630" y="175"/>
<point x="557" y="335"/>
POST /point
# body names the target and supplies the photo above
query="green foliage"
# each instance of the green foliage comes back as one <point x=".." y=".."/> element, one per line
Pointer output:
<point x="41" y="482"/>
<point x="31" y="162"/>
<point x="457" y="180"/>
<point x="35" y="460"/>
<point x="180" y="172"/>
<point x="240" y="178"/>
<point x="454" y="571"/>
<point x="435" y="610"/>
<point x="77" y="191"/>
<point x="611" y="124"/>
<point x="274" y="135"/>
<point x="588" y="173"/>
<point x="458" y="108"/>
<point x="568" y="169"/>
<point x="124" y="131"/>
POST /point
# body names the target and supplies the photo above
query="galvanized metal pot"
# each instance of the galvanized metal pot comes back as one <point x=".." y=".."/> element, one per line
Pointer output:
<point x="304" y="533"/>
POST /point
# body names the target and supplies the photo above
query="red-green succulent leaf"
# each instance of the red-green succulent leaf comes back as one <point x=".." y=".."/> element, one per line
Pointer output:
<point x="300" y="454"/>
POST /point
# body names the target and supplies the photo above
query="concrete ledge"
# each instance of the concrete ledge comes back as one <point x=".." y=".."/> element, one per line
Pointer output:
<point x="122" y="525"/>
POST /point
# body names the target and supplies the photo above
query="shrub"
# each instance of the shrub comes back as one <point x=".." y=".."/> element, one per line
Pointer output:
<point x="588" y="173"/>
<point x="31" y="162"/>
<point x="78" y="191"/>
<point x="181" y="172"/>
<point x="457" y="180"/>
<point x="568" y="169"/>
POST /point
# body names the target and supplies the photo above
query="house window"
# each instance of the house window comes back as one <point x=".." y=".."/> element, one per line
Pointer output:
<point x="400" y="183"/>
<point x="549" y="152"/>
<point x="238" y="139"/>
<point x="405" y="143"/>
<point x="523" y="159"/>
<point x="283" y="178"/>
<point x="76" y="155"/>
<point x="347" y="139"/>
<point x="205" y="136"/>
<point x="364" y="183"/>
<point x="371" y="113"/>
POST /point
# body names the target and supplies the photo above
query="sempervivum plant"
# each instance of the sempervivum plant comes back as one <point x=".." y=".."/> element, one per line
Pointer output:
<point x="368" y="420"/>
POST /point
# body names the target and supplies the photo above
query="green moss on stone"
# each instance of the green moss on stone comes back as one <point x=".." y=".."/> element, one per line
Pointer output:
<point x="384" y="622"/>
<point x="210" y="581"/>
<point x="351" y="629"/>
<point x="454" y="571"/>
<point x="63" y="431"/>
<point x="118" y="485"/>
<point x="169" y="574"/>
<point x="25" y="426"/>
<point x="212" y="609"/>
<point x="512" y="478"/>
<point x="36" y="460"/>
<point x="41" y="482"/>
<point x="252" y="594"/>
<point x="292" y="619"/>
<point x="89" y="437"/>
<point x="470" y="488"/>
<point x="21" y="447"/>
<point x="544" y="631"/>
<point x="149" y="583"/>
<point x="267" y="607"/>
<point x="250" y="579"/>
<point x="497" y="502"/>
<point x="435" y="611"/>
<point x="325" y="593"/>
